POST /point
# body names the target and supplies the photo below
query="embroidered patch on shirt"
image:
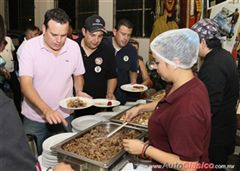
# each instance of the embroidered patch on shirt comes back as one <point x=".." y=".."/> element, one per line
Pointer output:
<point x="98" y="61"/>
<point x="98" y="69"/>
<point x="125" y="58"/>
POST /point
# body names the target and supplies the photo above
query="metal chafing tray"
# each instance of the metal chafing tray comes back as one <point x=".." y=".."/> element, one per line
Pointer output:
<point x="156" y="96"/>
<point x="117" y="118"/>
<point x="140" y="120"/>
<point x="83" y="161"/>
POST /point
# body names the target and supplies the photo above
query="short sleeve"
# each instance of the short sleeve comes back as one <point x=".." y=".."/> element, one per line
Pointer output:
<point x="26" y="61"/>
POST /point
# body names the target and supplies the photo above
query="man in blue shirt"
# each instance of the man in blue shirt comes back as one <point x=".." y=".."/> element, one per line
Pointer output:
<point x="126" y="57"/>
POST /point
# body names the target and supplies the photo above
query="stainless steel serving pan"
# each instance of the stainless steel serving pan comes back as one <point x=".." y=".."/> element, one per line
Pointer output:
<point x="110" y="126"/>
<point x="119" y="116"/>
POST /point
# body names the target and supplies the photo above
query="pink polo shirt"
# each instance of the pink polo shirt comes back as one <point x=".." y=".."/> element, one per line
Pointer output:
<point x="52" y="75"/>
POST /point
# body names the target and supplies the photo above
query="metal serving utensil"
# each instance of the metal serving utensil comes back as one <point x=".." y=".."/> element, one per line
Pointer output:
<point x="116" y="130"/>
<point x="113" y="132"/>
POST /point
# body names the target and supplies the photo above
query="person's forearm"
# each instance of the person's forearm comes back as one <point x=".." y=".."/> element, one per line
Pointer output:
<point x="111" y="85"/>
<point x="146" y="79"/>
<point x="170" y="160"/>
<point x="78" y="83"/>
<point x="133" y="77"/>
<point x="147" y="107"/>
<point x="32" y="95"/>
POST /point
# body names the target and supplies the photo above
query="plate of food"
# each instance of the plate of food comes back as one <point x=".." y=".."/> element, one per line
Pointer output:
<point x="105" y="103"/>
<point x="136" y="88"/>
<point x="76" y="103"/>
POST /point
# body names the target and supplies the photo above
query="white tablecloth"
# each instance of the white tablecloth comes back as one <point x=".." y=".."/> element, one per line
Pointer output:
<point x="127" y="167"/>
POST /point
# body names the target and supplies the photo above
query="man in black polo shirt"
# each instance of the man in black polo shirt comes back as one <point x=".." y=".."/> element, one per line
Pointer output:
<point x="100" y="65"/>
<point x="220" y="75"/>
<point x="126" y="57"/>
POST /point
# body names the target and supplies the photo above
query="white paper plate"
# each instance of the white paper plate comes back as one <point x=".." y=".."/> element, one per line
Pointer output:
<point x="74" y="130"/>
<point x="49" y="157"/>
<point x="121" y="108"/>
<point x="84" y="122"/>
<point x="131" y="103"/>
<point x="53" y="140"/>
<point x="105" y="103"/>
<point x="107" y="115"/>
<point x="47" y="164"/>
<point x="88" y="102"/>
<point x="141" y="101"/>
<point x="134" y="88"/>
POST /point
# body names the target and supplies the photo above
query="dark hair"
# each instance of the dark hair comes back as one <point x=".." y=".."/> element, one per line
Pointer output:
<point x="31" y="28"/>
<point x="124" y="22"/>
<point x="213" y="43"/>
<point x="2" y="30"/>
<point x="56" y="14"/>
<point x="135" y="42"/>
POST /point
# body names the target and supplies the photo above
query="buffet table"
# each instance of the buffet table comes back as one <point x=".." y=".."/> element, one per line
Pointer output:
<point x="125" y="163"/>
<point x="56" y="148"/>
<point x="128" y="167"/>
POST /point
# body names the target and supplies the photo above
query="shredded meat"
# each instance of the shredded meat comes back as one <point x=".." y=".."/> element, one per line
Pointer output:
<point x="75" y="103"/>
<point x="95" y="146"/>
<point x="141" y="119"/>
<point x="138" y="87"/>
<point x="158" y="95"/>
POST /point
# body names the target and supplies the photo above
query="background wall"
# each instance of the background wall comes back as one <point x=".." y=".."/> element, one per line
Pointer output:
<point x="106" y="10"/>
<point x="40" y="8"/>
<point x="2" y="12"/>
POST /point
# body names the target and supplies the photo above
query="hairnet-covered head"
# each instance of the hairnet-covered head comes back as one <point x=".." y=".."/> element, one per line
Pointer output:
<point x="177" y="47"/>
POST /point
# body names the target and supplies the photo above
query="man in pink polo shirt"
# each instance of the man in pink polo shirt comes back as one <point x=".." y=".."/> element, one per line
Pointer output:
<point x="50" y="66"/>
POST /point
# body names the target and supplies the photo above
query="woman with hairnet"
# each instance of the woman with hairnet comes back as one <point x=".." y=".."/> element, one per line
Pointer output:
<point x="179" y="128"/>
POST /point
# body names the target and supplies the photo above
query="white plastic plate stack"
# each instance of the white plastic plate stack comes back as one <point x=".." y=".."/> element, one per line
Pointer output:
<point x="121" y="108"/>
<point x="49" y="158"/>
<point x="107" y="115"/>
<point x="84" y="122"/>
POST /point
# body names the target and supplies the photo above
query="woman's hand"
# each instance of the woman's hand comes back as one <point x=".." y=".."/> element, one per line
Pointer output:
<point x="133" y="146"/>
<point x="130" y="114"/>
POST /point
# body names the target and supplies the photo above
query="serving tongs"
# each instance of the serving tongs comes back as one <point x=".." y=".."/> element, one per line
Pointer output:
<point x="116" y="130"/>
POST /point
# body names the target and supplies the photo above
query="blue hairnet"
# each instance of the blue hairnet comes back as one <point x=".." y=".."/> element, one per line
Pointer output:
<point x="177" y="45"/>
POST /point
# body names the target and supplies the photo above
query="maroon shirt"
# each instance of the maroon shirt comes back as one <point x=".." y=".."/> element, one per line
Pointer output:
<point x="181" y="123"/>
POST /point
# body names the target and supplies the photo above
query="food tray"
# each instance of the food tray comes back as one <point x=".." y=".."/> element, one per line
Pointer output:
<point x="109" y="126"/>
<point x="156" y="96"/>
<point x="140" y="121"/>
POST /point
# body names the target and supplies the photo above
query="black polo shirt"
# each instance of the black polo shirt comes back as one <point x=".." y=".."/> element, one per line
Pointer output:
<point x="220" y="75"/>
<point x="100" y="66"/>
<point x="126" y="59"/>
